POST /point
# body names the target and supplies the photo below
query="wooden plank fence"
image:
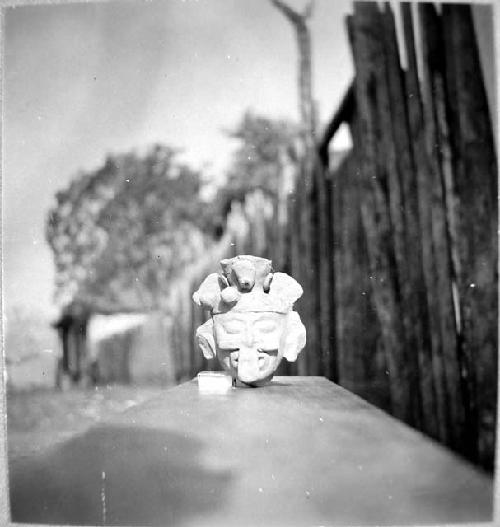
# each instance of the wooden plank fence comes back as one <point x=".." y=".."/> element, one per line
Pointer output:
<point x="396" y="247"/>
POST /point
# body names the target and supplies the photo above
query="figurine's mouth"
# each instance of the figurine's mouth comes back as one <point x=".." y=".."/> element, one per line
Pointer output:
<point x="265" y="358"/>
<point x="253" y="367"/>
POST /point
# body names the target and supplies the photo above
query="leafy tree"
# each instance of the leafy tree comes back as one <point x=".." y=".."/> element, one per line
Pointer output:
<point x="122" y="233"/>
<point x="266" y="148"/>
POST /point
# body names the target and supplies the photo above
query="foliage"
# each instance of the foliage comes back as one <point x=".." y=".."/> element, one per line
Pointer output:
<point x="266" y="147"/>
<point x="122" y="233"/>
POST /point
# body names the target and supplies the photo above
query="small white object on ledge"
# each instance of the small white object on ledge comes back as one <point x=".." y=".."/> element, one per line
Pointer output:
<point x="214" y="382"/>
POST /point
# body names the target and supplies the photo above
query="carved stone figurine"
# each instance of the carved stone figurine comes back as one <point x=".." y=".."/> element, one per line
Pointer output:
<point x="252" y="325"/>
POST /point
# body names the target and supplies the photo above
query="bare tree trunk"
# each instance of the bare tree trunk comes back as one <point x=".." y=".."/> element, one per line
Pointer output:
<point x="306" y="105"/>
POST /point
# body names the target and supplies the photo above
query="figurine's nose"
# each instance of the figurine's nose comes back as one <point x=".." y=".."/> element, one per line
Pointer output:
<point x="248" y="338"/>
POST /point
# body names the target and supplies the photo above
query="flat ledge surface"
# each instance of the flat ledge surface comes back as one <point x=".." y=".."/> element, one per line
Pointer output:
<point x="300" y="451"/>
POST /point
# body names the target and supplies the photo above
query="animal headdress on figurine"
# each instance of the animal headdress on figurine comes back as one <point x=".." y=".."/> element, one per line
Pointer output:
<point x="247" y="283"/>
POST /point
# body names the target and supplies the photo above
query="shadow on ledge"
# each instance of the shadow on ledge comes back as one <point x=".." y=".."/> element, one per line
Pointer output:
<point x="116" y="475"/>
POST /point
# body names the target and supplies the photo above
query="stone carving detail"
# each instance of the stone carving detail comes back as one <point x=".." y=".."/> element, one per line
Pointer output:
<point x="252" y="324"/>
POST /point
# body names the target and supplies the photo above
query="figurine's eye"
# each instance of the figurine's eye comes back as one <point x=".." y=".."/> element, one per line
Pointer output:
<point x="266" y="326"/>
<point x="234" y="327"/>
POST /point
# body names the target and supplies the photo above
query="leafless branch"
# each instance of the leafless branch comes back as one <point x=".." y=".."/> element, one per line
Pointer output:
<point x="295" y="18"/>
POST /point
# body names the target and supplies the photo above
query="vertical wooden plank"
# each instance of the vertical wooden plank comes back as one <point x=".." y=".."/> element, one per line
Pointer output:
<point x="364" y="30"/>
<point x="289" y="255"/>
<point x="329" y="241"/>
<point x="196" y="317"/>
<point x="292" y="232"/>
<point x="314" y="277"/>
<point x="422" y="167"/>
<point x="337" y="213"/>
<point x="182" y="337"/>
<point x="411" y="277"/>
<point x="176" y="346"/>
<point x="185" y="309"/>
<point x="389" y="163"/>
<point x="279" y="250"/>
<point x="296" y="264"/>
<point x="304" y="187"/>
<point x="322" y="262"/>
<point x="310" y="241"/>
<point x="207" y="364"/>
<point x="431" y="185"/>
<point x="358" y="331"/>
<point x="475" y="220"/>
<point x="191" y="328"/>
<point x="326" y="320"/>
<point x="280" y="219"/>
<point x="274" y="242"/>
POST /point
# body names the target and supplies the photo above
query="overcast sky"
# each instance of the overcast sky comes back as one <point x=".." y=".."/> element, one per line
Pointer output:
<point x="82" y="80"/>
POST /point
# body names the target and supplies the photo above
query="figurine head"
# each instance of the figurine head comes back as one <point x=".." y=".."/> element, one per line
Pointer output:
<point x="251" y="331"/>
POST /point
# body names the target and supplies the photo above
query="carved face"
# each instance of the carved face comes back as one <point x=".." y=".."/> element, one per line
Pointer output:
<point x="250" y="345"/>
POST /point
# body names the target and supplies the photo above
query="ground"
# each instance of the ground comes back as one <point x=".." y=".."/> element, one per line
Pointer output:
<point x="38" y="419"/>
